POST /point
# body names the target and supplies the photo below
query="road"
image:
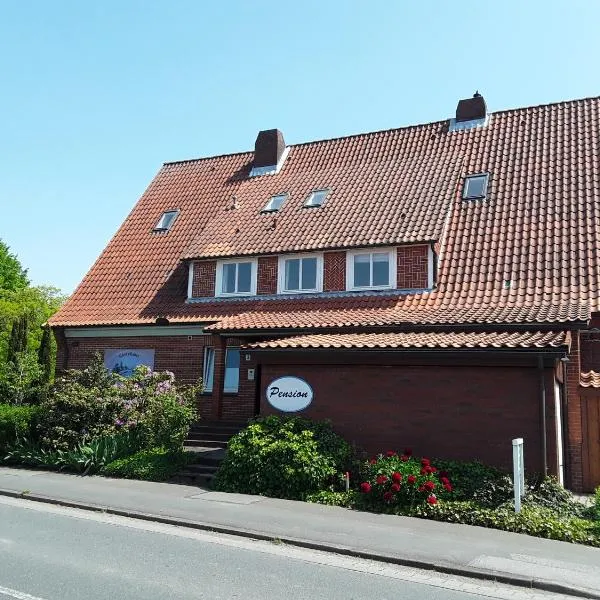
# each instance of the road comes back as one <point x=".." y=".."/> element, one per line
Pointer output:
<point x="54" y="553"/>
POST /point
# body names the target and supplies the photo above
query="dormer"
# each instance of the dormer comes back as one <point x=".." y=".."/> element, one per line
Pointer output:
<point x="269" y="153"/>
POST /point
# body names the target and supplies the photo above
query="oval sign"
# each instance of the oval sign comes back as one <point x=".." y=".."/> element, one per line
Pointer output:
<point x="289" y="394"/>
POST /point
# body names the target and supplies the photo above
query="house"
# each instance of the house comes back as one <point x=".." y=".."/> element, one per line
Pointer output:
<point x="434" y="286"/>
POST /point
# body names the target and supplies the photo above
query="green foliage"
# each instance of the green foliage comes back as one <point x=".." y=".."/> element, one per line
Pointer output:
<point x="548" y="493"/>
<point x="283" y="457"/>
<point x="91" y="403"/>
<point x="16" y="423"/>
<point x="20" y="380"/>
<point x="345" y="499"/>
<point x="12" y="275"/>
<point x="596" y="506"/>
<point x="45" y="356"/>
<point x="532" y="520"/>
<point x="474" y="479"/>
<point x="17" y="343"/>
<point x="84" y="458"/>
<point x="155" y="464"/>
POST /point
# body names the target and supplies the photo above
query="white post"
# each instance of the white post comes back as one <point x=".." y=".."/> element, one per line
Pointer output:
<point x="347" y="481"/>
<point x="518" y="472"/>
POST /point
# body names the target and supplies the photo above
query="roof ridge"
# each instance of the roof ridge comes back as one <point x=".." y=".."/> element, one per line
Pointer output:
<point x="387" y="130"/>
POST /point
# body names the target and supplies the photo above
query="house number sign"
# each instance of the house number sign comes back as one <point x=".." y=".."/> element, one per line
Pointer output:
<point x="289" y="394"/>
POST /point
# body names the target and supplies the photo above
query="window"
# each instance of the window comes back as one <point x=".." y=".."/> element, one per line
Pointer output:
<point x="232" y="370"/>
<point x="475" y="186"/>
<point x="208" y="374"/>
<point x="236" y="278"/>
<point x="300" y="274"/>
<point x="316" y="198"/>
<point x="166" y="220"/>
<point x="275" y="203"/>
<point x="370" y="270"/>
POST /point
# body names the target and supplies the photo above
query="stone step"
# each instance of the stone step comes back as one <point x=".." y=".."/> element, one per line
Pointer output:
<point x="206" y="443"/>
<point x="210" y="435"/>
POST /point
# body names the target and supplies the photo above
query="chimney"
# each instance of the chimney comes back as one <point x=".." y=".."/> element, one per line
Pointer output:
<point x="268" y="148"/>
<point x="471" y="109"/>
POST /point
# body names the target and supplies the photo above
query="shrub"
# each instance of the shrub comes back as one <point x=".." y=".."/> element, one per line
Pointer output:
<point x="401" y="480"/>
<point x="536" y="521"/>
<point x="156" y="464"/>
<point x="547" y="493"/>
<point x="16" y="423"/>
<point x="283" y="457"/>
<point x="345" y="499"/>
<point x="596" y="506"/>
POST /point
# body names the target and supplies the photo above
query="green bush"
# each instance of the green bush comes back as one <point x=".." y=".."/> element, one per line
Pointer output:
<point x="92" y="403"/>
<point x="536" y="521"/>
<point x="596" y="506"/>
<point x="283" y="457"/>
<point x="16" y="423"/>
<point x="547" y="493"/>
<point x="345" y="499"/>
<point x="156" y="464"/>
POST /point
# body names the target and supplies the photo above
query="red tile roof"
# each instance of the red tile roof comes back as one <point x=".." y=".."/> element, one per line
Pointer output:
<point x="526" y="254"/>
<point x="589" y="379"/>
<point x="455" y="339"/>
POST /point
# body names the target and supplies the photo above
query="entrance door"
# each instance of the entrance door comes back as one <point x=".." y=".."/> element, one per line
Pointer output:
<point x="591" y="414"/>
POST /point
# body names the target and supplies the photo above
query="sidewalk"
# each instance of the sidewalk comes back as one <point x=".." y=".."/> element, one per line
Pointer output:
<point x="460" y="549"/>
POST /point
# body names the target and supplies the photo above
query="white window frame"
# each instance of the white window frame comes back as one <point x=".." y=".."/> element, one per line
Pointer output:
<point x="485" y="177"/>
<point x="281" y="273"/>
<point x="237" y="389"/>
<point x="209" y="357"/>
<point x="160" y="228"/>
<point x="269" y="209"/>
<point x="219" y="277"/>
<point x="306" y="204"/>
<point x="350" y="254"/>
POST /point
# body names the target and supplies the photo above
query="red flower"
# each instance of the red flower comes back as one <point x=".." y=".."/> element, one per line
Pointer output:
<point x="390" y="453"/>
<point x="395" y="487"/>
<point x="421" y="488"/>
<point x="396" y="477"/>
<point x="431" y="499"/>
<point x="381" y="479"/>
<point x="407" y="451"/>
<point x="365" y="487"/>
<point x="429" y="486"/>
<point x="423" y="471"/>
<point x="388" y="496"/>
<point x="448" y="487"/>
<point x="373" y="461"/>
<point x="404" y="458"/>
<point x="444" y="474"/>
<point x="428" y="469"/>
<point x="444" y="480"/>
<point x="411" y="479"/>
<point x="425" y="462"/>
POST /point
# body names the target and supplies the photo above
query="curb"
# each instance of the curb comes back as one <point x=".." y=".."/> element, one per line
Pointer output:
<point x="515" y="580"/>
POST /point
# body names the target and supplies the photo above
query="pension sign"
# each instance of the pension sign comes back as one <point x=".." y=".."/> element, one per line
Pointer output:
<point x="289" y="394"/>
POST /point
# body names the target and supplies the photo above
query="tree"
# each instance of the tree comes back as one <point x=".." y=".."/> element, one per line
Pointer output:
<point x="17" y="344"/>
<point x="12" y="275"/>
<point x="45" y="355"/>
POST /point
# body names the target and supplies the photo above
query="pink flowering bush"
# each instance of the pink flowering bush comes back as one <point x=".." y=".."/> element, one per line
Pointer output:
<point x="401" y="480"/>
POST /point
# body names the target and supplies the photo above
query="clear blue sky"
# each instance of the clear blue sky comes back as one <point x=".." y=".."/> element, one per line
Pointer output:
<point x="95" y="96"/>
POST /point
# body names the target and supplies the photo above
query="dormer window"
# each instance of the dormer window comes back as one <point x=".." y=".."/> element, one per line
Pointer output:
<point x="316" y="198"/>
<point x="236" y="278"/>
<point x="275" y="203"/>
<point x="166" y="220"/>
<point x="475" y="187"/>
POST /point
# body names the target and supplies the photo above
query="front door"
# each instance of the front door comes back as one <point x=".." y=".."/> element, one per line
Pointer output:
<point x="591" y="447"/>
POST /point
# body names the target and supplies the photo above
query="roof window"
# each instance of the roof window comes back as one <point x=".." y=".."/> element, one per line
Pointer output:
<point x="275" y="203"/>
<point x="316" y="198"/>
<point x="166" y="220"/>
<point x="475" y="187"/>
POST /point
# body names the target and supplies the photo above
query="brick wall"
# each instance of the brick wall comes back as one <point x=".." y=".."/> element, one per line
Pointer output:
<point x="334" y="271"/>
<point x="463" y="413"/>
<point x="590" y="350"/>
<point x="412" y="267"/>
<point x="267" y="275"/>
<point x="574" y="443"/>
<point x="203" y="283"/>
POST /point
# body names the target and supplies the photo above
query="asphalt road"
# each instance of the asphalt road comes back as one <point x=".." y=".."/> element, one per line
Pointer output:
<point x="54" y="553"/>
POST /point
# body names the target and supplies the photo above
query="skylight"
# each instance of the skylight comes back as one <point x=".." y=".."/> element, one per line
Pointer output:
<point x="316" y="198"/>
<point x="275" y="203"/>
<point x="166" y="220"/>
<point x="475" y="186"/>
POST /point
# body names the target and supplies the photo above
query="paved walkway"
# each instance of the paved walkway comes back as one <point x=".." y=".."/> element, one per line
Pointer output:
<point x="461" y="549"/>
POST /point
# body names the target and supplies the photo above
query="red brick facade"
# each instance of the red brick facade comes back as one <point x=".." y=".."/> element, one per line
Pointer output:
<point x="412" y="267"/>
<point x="203" y="282"/>
<point x="334" y="271"/>
<point x="267" y="275"/>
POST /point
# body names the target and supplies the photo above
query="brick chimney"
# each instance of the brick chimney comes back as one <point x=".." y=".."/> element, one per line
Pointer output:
<point x="471" y="109"/>
<point x="268" y="148"/>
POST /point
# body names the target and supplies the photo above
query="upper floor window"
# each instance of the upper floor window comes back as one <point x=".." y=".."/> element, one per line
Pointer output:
<point x="300" y="274"/>
<point x="316" y="198"/>
<point x="370" y="270"/>
<point x="166" y="220"/>
<point x="236" y="278"/>
<point x="275" y="203"/>
<point x="475" y="187"/>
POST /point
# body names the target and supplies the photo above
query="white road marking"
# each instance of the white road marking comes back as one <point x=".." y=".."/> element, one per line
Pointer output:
<point x="18" y="595"/>
<point x="489" y="589"/>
